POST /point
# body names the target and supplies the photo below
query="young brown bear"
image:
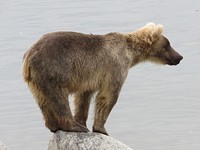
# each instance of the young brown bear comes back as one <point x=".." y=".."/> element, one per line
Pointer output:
<point x="64" y="63"/>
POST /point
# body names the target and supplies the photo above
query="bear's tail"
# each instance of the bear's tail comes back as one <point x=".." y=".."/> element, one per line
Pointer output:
<point x="26" y="72"/>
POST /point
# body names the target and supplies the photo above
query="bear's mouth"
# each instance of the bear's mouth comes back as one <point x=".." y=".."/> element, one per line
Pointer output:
<point x="174" y="62"/>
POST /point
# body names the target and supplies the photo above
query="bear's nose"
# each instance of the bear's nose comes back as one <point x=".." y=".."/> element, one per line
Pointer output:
<point x="178" y="59"/>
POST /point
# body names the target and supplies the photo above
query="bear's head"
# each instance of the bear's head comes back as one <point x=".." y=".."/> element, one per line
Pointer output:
<point x="157" y="47"/>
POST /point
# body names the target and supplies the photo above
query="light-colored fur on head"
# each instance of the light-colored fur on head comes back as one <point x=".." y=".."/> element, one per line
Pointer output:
<point x="149" y="33"/>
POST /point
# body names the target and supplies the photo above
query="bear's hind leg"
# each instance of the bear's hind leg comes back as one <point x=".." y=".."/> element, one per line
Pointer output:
<point x="81" y="106"/>
<point x="54" y="105"/>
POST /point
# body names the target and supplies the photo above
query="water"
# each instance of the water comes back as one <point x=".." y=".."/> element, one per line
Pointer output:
<point x="158" y="108"/>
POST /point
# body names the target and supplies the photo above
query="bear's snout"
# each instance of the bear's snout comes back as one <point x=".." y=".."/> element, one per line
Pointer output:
<point x="176" y="60"/>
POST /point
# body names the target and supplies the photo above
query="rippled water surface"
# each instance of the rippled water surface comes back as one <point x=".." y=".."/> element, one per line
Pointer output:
<point x="159" y="106"/>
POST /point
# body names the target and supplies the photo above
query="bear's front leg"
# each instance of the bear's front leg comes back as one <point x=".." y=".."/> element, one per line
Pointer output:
<point x="105" y="100"/>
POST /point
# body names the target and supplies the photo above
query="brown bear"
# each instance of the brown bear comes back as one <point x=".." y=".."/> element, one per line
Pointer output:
<point x="64" y="63"/>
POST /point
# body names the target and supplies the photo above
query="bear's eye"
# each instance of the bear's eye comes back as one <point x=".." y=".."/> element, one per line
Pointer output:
<point x="166" y="46"/>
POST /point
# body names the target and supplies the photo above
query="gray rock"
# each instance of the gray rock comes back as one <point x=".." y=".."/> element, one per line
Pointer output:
<point x="2" y="146"/>
<point x="84" y="141"/>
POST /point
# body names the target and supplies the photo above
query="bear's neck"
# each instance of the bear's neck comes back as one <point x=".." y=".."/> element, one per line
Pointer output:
<point x="137" y="48"/>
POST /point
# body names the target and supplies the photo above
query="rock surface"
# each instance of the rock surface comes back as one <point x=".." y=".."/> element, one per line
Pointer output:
<point x="2" y="146"/>
<point x="84" y="141"/>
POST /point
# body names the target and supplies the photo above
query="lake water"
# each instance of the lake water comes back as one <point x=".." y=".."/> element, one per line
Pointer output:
<point x="159" y="106"/>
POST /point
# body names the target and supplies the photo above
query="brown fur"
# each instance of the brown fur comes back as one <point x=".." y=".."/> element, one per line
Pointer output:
<point x="64" y="63"/>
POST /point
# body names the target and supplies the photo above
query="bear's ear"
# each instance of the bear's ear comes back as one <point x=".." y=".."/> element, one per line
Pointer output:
<point x="149" y="33"/>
